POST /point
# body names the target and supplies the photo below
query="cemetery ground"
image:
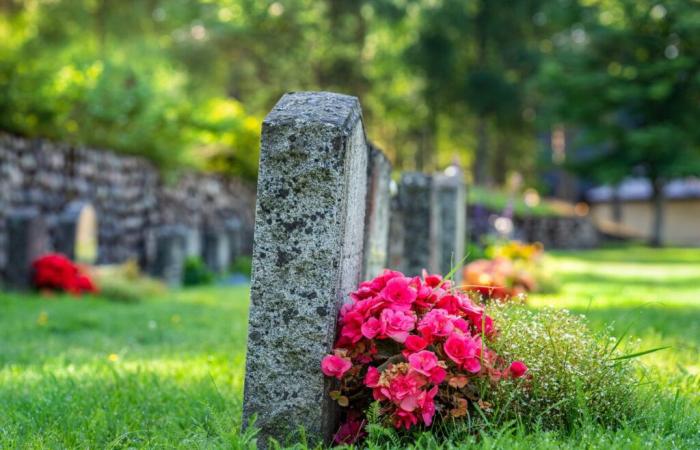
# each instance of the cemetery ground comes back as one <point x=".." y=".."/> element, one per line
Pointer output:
<point x="168" y="372"/>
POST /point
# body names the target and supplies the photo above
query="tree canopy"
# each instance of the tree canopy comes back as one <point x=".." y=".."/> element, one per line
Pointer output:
<point x="187" y="82"/>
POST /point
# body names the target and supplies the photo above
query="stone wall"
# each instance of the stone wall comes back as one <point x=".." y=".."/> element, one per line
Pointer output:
<point x="131" y="197"/>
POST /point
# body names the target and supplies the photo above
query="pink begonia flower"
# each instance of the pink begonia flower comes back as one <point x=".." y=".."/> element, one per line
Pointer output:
<point x="352" y="327"/>
<point x="371" y="328"/>
<point x="427" y="405"/>
<point x="335" y="366"/>
<point x="483" y="324"/>
<point x="380" y="282"/>
<point x="397" y="324"/>
<point x="372" y="377"/>
<point x="399" y="293"/>
<point x="449" y="303"/>
<point x="415" y="343"/>
<point x="432" y="280"/>
<point x="517" y="369"/>
<point x="404" y="419"/>
<point x="436" y="322"/>
<point x="423" y="362"/>
<point x="464" y="351"/>
<point x="403" y="386"/>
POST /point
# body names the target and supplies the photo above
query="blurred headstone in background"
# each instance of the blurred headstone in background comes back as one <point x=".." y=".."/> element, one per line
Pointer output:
<point x="215" y="250"/>
<point x="450" y="193"/>
<point x="420" y="223"/>
<point x="76" y="236"/>
<point x="193" y="243"/>
<point x="27" y="240"/>
<point x="396" y="231"/>
<point x="376" y="245"/>
<point x="170" y="251"/>
<point x="234" y="232"/>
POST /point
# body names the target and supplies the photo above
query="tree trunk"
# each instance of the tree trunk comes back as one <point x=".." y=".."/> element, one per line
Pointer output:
<point x="656" y="239"/>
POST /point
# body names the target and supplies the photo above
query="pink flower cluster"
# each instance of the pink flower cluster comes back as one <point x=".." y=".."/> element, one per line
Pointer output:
<point x="412" y="344"/>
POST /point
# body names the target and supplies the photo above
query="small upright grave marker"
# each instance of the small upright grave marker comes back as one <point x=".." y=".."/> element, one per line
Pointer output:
<point x="452" y="209"/>
<point x="216" y="251"/>
<point x="309" y="229"/>
<point x="77" y="232"/>
<point x="27" y="239"/>
<point x="420" y="223"/>
<point x="170" y="251"/>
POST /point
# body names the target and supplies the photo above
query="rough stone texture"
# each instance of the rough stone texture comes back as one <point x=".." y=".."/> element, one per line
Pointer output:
<point x="27" y="240"/>
<point x="170" y="252"/>
<point x="77" y="232"/>
<point x="420" y="224"/>
<point x="377" y="214"/>
<point x="307" y="258"/>
<point x="452" y="207"/>
<point x="215" y="250"/>
<point x="130" y="196"/>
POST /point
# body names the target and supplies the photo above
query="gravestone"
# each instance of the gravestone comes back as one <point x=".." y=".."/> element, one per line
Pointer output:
<point x="452" y="209"/>
<point x="215" y="250"/>
<point x="193" y="243"/>
<point x="27" y="239"/>
<point x="234" y="231"/>
<point x="76" y="236"/>
<point x="396" y="231"/>
<point x="377" y="214"/>
<point x="169" y="259"/>
<point x="307" y="258"/>
<point x="420" y="224"/>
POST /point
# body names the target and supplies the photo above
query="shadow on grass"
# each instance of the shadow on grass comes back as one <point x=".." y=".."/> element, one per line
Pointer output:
<point x="675" y="322"/>
<point x="690" y="282"/>
<point x="636" y="255"/>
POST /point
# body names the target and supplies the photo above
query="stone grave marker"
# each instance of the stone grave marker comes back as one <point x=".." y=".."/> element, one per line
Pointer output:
<point x="27" y="239"/>
<point x="420" y="224"/>
<point x="193" y="243"/>
<point x="452" y="209"/>
<point x="77" y="233"/>
<point x="215" y="250"/>
<point x="170" y="251"/>
<point x="396" y="231"/>
<point x="377" y="214"/>
<point x="307" y="258"/>
<point x="234" y="231"/>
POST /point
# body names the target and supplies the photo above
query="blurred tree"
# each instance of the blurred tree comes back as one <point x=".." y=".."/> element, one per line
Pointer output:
<point x="629" y="76"/>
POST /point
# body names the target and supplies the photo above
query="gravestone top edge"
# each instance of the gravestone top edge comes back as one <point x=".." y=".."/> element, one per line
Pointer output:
<point x="336" y="110"/>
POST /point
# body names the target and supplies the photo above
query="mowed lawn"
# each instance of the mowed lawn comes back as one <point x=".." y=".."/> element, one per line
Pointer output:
<point x="168" y="372"/>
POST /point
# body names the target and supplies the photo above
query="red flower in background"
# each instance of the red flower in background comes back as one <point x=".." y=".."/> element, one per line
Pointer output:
<point x="56" y="272"/>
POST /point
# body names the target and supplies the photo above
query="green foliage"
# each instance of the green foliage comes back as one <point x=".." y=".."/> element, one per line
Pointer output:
<point x="574" y="376"/>
<point x="180" y="360"/>
<point x="242" y="265"/>
<point x="196" y="273"/>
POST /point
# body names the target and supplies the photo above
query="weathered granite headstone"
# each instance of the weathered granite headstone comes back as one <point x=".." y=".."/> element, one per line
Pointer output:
<point x="307" y="258"/>
<point x="170" y="251"/>
<point x="420" y="224"/>
<point x="215" y="250"/>
<point x="27" y="239"/>
<point x="77" y="232"/>
<point x="377" y="214"/>
<point x="452" y="208"/>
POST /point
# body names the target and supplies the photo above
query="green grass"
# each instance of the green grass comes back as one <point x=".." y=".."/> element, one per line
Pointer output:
<point x="168" y="372"/>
